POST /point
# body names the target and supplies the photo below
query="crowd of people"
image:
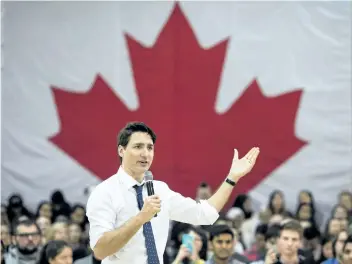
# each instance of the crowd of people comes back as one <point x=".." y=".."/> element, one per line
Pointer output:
<point x="58" y="233"/>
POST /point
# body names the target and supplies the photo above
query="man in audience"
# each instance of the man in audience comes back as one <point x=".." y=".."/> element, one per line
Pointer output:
<point x="26" y="249"/>
<point x="222" y="241"/>
<point x="288" y="246"/>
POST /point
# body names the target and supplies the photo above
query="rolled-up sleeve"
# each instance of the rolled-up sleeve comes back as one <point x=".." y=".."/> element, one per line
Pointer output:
<point x="187" y="210"/>
<point x="101" y="215"/>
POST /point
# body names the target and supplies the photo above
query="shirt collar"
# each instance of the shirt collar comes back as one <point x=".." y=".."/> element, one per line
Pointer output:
<point x="127" y="180"/>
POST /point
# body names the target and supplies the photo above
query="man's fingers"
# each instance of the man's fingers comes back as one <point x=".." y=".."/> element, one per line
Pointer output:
<point x="252" y="154"/>
<point x="249" y="154"/>
<point x="235" y="156"/>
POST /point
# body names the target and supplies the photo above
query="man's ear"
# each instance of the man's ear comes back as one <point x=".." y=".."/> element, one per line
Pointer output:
<point x="121" y="151"/>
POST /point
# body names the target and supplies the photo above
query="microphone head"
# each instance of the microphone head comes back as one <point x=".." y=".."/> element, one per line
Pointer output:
<point x="148" y="176"/>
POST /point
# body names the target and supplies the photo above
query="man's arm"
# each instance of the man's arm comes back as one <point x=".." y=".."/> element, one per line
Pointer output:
<point x="206" y="212"/>
<point x="239" y="168"/>
<point x="113" y="241"/>
<point x="104" y="239"/>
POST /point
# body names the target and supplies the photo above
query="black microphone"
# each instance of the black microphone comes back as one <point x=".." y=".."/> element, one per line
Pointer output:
<point x="148" y="178"/>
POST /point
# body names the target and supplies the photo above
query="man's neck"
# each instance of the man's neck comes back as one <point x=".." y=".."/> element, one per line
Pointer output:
<point x="221" y="261"/>
<point x="289" y="259"/>
<point x="137" y="176"/>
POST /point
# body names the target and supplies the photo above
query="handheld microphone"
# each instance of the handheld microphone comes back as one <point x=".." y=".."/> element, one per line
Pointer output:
<point x="148" y="178"/>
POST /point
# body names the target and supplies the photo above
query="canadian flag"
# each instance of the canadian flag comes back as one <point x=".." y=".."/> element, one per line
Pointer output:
<point x="208" y="77"/>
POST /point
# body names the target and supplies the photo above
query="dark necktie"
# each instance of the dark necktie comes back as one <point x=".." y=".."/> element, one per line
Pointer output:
<point x="147" y="231"/>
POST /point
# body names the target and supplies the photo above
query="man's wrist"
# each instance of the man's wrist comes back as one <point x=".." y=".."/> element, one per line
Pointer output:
<point x="228" y="180"/>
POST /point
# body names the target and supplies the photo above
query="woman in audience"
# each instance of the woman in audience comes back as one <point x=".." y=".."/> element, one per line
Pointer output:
<point x="56" y="252"/>
<point x="45" y="210"/>
<point x="276" y="203"/>
<point x="198" y="254"/>
<point x="58" y="231"/>
<point x="339" y="212"/>
<point x="327" y="251"/>
<point x="306" y="213"/>
<point x="337" y="246"/>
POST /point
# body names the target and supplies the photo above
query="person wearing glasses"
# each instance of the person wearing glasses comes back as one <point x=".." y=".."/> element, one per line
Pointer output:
<point x="27" y="241"/>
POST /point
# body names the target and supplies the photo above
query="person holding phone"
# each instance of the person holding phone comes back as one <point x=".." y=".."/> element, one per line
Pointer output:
<point x="189" y="252"/>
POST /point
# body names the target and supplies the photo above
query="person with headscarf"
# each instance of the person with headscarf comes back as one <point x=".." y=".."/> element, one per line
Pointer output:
<point x="16" y="209"/>
<point x="59" y="205"/>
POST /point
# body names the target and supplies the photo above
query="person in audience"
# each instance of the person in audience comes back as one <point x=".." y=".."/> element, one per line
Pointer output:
<point x="339" y="212"/>
<point x="288" y="245"/>
<point x="276" y="203"/>
<point x="258" y="248"/>
<point x="5" y="236"/>
<point x="27" y="244"/>
<point x="16" y="209"/>
<point x="337" y="247"/>
<point x="345" y="199"/>
<point x="58" y="231"/>
<point x="59" y="205"/>
<point x="4" y="218"/>
<point x="45" y="210"/>
<point x="56" y="252"/>
<point x="222" y="242"/>
<point x="204" y="192"/>
<point x="333" y="227"/>
<point x="186" y="256"/>
<point x="306" y="213"/>
<point x="326" y="252"/>
<point x="78" y="215"/>
<point x="346" y="255"/>
<point x="44" y="224"/>
<point x="74" y="237"/>
<point x="311" y="242"/>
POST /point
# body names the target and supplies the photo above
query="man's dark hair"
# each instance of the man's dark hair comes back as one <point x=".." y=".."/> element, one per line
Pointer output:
<point x="218" y="230"/>
<point x="27" y="223"/>
<point x="291" y="225"/>
<point x="272" y="232"/>
<point x="261" y="229"/>
<point x="133" y="127"/>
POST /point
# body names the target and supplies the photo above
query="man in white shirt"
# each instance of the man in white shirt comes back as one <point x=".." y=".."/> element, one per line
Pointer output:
<point x="123" y="228"/>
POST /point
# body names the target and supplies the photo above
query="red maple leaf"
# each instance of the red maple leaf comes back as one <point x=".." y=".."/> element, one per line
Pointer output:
<point x="177" y="82"/>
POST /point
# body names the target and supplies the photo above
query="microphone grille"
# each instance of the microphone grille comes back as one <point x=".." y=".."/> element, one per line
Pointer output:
<point x="148" y="176"/>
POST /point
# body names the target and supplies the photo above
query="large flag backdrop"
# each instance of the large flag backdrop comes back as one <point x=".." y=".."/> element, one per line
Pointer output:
<point x="208" y="77"/>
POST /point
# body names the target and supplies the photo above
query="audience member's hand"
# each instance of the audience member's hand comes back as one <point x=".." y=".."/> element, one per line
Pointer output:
<point x="270" y="256"/>
<point x="182" y="254"/>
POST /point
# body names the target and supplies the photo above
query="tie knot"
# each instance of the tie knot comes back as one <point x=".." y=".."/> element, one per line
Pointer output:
<point x="138" y="188"/>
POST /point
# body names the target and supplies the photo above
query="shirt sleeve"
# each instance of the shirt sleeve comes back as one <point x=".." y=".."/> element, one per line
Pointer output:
<point x="101" y="215"/>
<point x="186" y="210"/>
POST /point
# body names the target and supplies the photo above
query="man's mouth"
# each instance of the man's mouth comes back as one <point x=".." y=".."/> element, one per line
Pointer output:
<point x="143" y="162"/>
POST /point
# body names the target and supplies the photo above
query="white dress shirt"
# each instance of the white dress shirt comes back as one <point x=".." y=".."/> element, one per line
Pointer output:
<point x="114" y="201"/>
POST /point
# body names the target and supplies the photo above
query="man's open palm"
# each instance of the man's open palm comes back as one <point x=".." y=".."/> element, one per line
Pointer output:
<point x="241" y="167"/>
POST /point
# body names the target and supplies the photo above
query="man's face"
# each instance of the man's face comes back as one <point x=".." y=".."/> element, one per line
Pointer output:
<point x="289" y="242"/>
<point x="223" y="246"/>
<point x="347" y="254"/>
<point x="139" y="153"/>
<point x="27" y="237"/>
